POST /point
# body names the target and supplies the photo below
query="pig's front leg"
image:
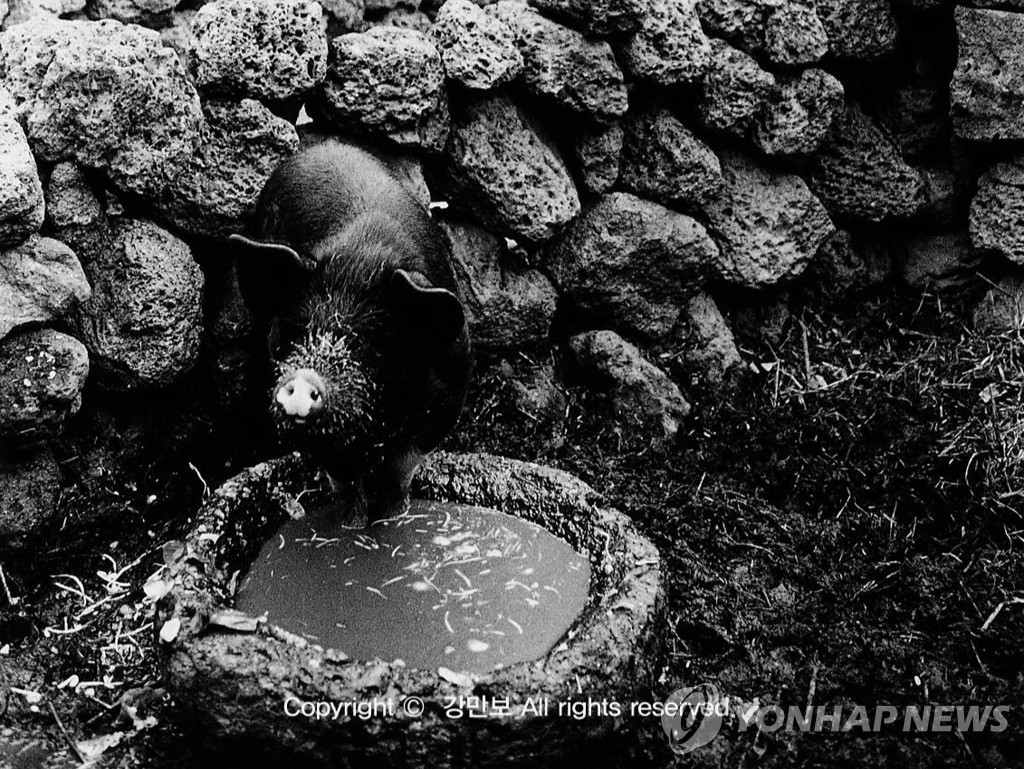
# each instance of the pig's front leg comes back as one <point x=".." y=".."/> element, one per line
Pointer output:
<point x="350" y="497"/>
<point x="389" y="486"/>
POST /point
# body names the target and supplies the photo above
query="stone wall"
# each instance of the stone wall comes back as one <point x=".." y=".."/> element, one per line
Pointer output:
<point x="636" y="164"/>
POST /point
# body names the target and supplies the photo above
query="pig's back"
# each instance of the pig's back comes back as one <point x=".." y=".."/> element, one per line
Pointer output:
<point x="318" y="193"/>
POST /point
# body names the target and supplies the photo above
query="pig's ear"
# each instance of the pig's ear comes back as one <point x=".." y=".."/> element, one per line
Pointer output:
<point x="436" y="311"/>
<point x="271" y="276"/>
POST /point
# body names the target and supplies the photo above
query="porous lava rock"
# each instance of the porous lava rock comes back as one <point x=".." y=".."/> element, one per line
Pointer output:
<point x="154" y="14"/>
<point x="40" y="281"/>
<point x="664" y="161"/>
<point x="387" y="82"/>
<point x="240" y="145"/>
<point x="262" y="49"/>
<point x="798" y="119"/>
<point x="106" y="94"/>
<point x="509" y="304"/>
<point x="74" y="212"/>
<point x="645" y="400"/>
<point x="734" y="91"/>
<point x="598" y="18"/>
<point x="1002" y="308"/>
<point x="42" y="373"/>
<point x="30" y="488"/>
<point x="702" y="346"/>
<point x="987" y="90"/>
<point x="563" y="66"/>
<point x="506" y="172"/>
<point x="938" y="260"/>
<point x="768" y="224"/>
<point x="598" y="155"/>
<point x="21" y="192"/>
<point x="997" y="209"/>
<point x="670" y="47"/>
<point x="478" y="50"/>
<point x="629" y="262"/>
<point x="143" y="321"/>
<point x="788" y="33"/>
<point x="860" y="174"/>
<point x="863" y="31"/>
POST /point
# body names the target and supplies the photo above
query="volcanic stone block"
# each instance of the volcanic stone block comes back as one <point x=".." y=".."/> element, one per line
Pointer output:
<point x="70" y="199"/>
<point x="843" y="266"/>
<point x="406" y="18"/>
<point x="264" y="49"/>
<point x="939" y="259"/>
<point x="595" y="17"/>
<point x="794" y="35"/>
<point x="42" y="374"/>
<point x="741" y="22"/>
<point x="702" y="343"/>
<point x="535" y="391"/>
<point x="382" y="6"/>
<point x="13" y="12"/>
<point x="864" y="30"/>
<point x="509" y="304"/>
<point x="786" y="32"/>
<point x="509" y="176"/>
<point x="797" y="122"/>
<point x="768" y="224"/>
<point x="29" y="495"/>
<point x="564" y="66"/>
<point x="860" y="174"/>
<point x="74" y="212"/>
<point x="143" y="322"/>
<point x="177" y="35"/>
<point x="40" y="280"/>
<point x="644" y="397"/>
<point x="669" y="47"/>
<point x="662" y="160"/>
<point x="1002" y="308"/>
<point x="106" y="94"/>
<point x="598" y="155"/>
<point x="347" y="14"/>
<point x="629" y="262"/>
<point x="987" y="91"/>
<point x="21" y="193"/>
<point x="997" y="210"/>
<point x="241" y="145"/>
<point x="734" y="91"/>
<point x="477" y="49"/>
<point x="387" y="81"/>
<point x="147" y="13"/>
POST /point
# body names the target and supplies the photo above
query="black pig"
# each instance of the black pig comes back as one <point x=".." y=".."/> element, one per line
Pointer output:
<point x="369" y="338"/>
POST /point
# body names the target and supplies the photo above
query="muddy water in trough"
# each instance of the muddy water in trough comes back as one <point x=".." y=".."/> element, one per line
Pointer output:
<point x="444" y="585"/>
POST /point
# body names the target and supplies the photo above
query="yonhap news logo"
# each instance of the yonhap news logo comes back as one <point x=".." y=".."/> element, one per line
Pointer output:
<point x="694" y="716"/>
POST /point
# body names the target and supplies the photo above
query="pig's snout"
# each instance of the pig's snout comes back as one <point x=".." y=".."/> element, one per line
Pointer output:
<point x="301" y="397"/>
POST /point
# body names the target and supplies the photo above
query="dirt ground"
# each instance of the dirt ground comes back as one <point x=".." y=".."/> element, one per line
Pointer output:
<point x="840" y="525"/>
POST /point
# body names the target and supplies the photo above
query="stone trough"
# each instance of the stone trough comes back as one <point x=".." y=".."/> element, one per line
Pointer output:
<point x="231" y="675"/>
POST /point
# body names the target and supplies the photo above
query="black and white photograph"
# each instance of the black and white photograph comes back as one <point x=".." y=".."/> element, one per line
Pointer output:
<point x="472" y="384"/>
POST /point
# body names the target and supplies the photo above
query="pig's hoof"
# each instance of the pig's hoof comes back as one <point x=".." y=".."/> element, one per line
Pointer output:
<point x="394" y="507"/>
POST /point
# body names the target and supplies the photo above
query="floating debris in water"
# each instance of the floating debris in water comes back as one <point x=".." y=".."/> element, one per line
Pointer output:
<point x="426" y="587"/>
